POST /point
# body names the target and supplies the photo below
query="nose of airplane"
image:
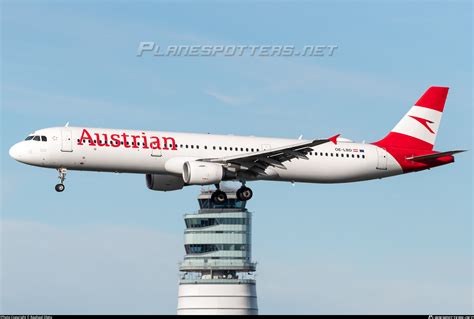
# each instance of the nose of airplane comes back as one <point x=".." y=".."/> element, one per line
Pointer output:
<point x="16" y="151"/>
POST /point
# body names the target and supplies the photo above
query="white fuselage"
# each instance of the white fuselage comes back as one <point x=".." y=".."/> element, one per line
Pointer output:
<point x="334" y="163"/>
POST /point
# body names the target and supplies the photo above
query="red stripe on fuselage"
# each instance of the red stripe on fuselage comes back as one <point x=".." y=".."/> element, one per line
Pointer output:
<point x="400" y="154"/>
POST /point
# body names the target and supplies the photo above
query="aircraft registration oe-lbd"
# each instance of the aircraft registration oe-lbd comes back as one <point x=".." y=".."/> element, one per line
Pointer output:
<point x="171" y="161"/>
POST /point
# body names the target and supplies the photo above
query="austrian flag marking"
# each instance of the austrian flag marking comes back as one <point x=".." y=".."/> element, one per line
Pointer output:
<point x="125" y="140"/>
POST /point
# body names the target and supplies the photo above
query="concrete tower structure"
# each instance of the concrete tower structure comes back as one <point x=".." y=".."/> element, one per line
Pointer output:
<point x="217" y="274"/>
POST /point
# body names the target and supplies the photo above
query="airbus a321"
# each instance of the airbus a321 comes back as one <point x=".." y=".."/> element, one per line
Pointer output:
<point x="171" y="161"/>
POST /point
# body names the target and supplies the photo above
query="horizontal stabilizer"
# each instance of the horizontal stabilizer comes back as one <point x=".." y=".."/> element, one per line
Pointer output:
<point x="433" y="156"/>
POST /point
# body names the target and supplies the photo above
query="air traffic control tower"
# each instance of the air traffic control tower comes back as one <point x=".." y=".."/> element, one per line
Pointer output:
<point x="217" y="274"/>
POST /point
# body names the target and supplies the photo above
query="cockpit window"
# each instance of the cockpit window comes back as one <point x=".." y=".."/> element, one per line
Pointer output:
<point x="36" y="138"/>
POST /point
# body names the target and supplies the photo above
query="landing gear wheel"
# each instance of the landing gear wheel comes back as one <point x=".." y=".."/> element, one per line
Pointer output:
<point x="219" y="197"/>
<point x="62" y="176"/>
<point x="59" y="187"/>
<point x="244" y="193"/>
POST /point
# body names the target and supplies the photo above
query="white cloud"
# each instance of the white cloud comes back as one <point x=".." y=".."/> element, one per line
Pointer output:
<point x="341" y="285"/>
<point x="30" y="101"/>
<point x="296" y="74"/>
<point x="226" y="99"/>
<point x="93" y="269"/>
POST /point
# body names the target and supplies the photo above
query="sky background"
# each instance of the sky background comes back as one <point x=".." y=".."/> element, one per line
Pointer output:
<point x="108" y="245"/>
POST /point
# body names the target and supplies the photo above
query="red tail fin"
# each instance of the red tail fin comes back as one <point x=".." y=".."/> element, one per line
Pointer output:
<point x="418" y="128"/>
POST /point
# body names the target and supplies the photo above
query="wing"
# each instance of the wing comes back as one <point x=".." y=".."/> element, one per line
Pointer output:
<point x="258" y="162"/>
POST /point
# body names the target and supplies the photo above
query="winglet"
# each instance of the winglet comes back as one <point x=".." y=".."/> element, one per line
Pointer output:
<point x="334" y="138"/>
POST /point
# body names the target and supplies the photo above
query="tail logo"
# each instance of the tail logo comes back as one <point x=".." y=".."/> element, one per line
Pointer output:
<point x="423" y="122"/>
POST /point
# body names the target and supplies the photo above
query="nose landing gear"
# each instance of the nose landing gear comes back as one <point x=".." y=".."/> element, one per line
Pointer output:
<point x="62" y="176"/>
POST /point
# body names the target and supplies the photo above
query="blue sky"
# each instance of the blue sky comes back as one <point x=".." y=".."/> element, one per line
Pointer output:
<point x="110" y="245"/>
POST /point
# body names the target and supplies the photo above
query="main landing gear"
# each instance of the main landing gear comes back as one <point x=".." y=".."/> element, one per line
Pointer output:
<point x="62" y="176"/>
<point x="243" y="193"/>
<point x="218" y="197"/>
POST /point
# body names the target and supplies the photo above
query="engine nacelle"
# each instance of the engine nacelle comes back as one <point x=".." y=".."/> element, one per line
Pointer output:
<point x="163" y="182"/>
<point x="202" y="173"/>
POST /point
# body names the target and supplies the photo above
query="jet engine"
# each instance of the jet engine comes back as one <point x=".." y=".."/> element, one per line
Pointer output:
<point x="164" y="182"/>
<point x="202" y="173"/>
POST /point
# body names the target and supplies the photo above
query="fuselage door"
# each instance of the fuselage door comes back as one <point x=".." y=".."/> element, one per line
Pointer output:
<point x="381" y="158"/>
<point x="66" y="141"/>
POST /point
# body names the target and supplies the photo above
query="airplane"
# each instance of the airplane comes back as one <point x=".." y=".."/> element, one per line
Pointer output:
<point x="172" y="160"/>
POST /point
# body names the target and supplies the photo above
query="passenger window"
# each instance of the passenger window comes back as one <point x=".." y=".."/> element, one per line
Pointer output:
<point x="197" y="146"/>
<point x="241" y="149"/>
<point x="357" y="155"/>
<point x="192" y="146"/>
<point x="352" y="155"/>
<point x="225" y="148"/>
<point x="36" y="138"/>
<point x="205" y="147"/>
<point x="213" y="147"/>
<point x="326" y="154"/>
<point x="246" y="149"/>
<point x="252" y="149"/>
<point x="44" y="139"/>
<point x="230" y="149"/>
<point x="220" y="148"/>
<point x="186" y="145"/>
<point x="337" y="154"/>
<point x="363" y="156"/>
